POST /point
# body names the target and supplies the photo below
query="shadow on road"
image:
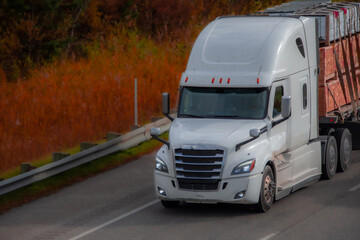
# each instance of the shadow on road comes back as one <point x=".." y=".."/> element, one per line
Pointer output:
<point x="218" y="210"/>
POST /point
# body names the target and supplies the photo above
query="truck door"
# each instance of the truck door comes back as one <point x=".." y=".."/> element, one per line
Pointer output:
<point x="301" y="128"/>
<point x="278" y="133"/>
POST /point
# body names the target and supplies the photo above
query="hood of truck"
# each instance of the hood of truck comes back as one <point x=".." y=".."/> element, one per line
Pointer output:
<point x="220" y="132"/>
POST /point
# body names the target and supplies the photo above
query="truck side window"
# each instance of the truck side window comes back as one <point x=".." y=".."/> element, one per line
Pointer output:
<point x="300" y="46"/>
<point x="304" y="88"/>
<point x="279" y="92"/>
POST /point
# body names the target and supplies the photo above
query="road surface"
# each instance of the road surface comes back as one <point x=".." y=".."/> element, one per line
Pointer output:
<point x="121" y="204"/>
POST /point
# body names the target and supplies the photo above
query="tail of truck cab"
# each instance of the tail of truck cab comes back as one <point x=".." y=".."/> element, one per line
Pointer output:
<point x="247" y="128"/>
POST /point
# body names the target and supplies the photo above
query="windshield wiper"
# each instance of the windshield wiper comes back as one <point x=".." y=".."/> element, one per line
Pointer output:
<point x="190" y="116"/>
<point x="222" y="116"/>
<point x="209" y="116"/>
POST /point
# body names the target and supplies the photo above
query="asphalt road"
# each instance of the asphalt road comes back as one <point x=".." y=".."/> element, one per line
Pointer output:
<point x="121" y="204"/>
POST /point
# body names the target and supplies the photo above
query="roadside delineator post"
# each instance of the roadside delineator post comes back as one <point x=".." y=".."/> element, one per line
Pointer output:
<point x="135" y="126"/>
<point x="86" y="145"/>
<point x="25" y="167"/>
<point x="112" y="135"/>
<point x="136" y="108"/>
<point x="56" y="156"/>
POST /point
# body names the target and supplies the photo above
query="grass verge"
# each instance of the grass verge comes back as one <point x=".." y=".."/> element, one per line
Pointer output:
<point x="80" y="173"/>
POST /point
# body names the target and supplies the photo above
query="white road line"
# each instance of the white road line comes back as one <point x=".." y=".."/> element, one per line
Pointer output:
<point x="114" y="220"/>
<point x="354" y="188"/>
<point x="271" y="235"/>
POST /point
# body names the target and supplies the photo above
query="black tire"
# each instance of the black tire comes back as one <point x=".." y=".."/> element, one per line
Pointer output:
<point x="170" y="204"/>
<point x="267" y="191"/>
<point x="331" y="153"/>
<point x="344" y="145"/>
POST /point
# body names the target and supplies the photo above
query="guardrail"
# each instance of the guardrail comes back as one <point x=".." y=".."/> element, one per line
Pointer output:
<point x="120" y="143"/>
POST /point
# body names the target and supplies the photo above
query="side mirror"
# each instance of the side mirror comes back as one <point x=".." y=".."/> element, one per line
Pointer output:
<point x="254" y="132"/>
<point x="286" y="107"/>
<point x="155" y="133"/>
<point x="166" y="106"/>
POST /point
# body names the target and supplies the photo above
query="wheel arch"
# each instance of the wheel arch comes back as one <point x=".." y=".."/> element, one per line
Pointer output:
<point x="271" y="164"/>
<point x="264" y="204"/>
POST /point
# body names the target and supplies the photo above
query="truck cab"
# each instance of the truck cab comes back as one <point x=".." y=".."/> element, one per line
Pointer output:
<point x="246" y="129"/>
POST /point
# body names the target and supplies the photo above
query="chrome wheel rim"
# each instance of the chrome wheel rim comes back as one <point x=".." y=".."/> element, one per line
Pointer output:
<point x="268" y="189"/>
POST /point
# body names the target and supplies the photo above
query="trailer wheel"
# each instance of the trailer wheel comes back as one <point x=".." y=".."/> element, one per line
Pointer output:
<point x="329" y="167"/>
<point x="267" y="190"/>
<point x="170" y="204"/>
<point x="344" y="145"/>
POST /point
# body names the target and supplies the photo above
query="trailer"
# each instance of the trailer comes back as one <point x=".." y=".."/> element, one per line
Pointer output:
<point x="268" y="104"/>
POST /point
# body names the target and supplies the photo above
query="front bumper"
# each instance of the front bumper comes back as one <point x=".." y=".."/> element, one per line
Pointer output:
<point x="250" y="184"/>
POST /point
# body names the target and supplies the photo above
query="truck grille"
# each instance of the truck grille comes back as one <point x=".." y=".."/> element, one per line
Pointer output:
<point x="198" y="169"/>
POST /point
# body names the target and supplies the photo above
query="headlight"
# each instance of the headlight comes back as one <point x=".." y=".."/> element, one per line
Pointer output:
<point x="244" y="167"/>
<point x="160" y="165"/>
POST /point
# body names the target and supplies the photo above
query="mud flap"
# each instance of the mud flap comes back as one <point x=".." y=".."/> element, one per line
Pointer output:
<point x="354" y="128"/>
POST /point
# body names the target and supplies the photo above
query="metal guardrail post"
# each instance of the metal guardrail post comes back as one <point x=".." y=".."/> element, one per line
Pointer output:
<point x="136" y="108"/>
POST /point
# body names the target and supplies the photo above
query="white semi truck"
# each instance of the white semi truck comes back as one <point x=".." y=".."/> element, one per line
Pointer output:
<point x="247" y="124"/>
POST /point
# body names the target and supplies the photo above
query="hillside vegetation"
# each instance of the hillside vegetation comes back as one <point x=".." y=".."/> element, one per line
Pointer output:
<point x="67" y="67"/>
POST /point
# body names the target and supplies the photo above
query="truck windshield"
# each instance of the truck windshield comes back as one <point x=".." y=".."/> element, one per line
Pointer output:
<point x="242" y="103"/>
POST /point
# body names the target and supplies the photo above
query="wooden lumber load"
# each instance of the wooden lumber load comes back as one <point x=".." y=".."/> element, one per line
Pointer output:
<point x="331" y="93"/>
<point x="339" y="52"/>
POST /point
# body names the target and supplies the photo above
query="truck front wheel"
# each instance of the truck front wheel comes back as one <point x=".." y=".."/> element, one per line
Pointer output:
<point x="267" y="190"/>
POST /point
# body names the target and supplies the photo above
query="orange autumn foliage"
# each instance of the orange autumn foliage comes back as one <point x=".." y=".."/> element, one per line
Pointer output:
<point x="72" y="101"/>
